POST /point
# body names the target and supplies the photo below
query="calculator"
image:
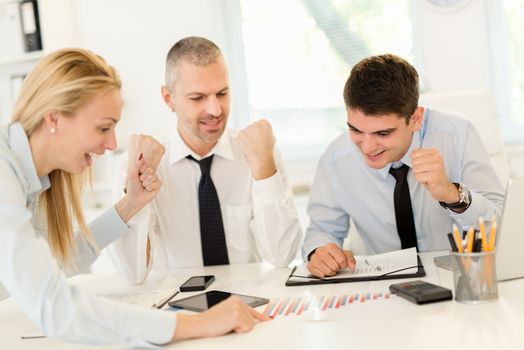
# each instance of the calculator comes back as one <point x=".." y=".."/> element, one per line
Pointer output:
<point x="421" y="292"/>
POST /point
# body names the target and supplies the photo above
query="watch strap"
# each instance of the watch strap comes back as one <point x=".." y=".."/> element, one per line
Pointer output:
<point x="464" y="198"/>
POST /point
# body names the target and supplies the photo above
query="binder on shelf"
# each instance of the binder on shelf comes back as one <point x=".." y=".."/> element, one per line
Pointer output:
<point x="30" y="25"/>
<point x="398" y="264"/>
<point x="11" y="35"/>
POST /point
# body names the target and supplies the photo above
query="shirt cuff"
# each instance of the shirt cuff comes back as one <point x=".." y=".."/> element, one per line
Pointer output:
<point x="108" y="227"/>
<point x="269" y="190"/>
<point x="316" y="240"/>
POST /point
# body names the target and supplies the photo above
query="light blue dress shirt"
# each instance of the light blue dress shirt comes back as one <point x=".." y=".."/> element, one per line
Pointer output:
<point x="35" y="280"/>
<point x="345" y="187"/>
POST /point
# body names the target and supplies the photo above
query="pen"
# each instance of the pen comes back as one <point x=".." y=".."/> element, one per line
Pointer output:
<point x="492" y="233"/>
<point x="482" y="227"/>
<point x="32" y="336"/>
<point x="469" y="240"/>
<point x="168" y="299"/>
<point x="458" y="241"/>
<point x="293" y="271"/>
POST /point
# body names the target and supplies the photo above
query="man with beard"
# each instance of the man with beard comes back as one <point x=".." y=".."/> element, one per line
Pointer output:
<point x="225" y="196"/>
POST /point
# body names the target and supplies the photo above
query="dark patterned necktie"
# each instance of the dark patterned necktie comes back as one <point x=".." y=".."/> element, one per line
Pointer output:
<point x="212" y="236"/>
<point x="403" y="209"/>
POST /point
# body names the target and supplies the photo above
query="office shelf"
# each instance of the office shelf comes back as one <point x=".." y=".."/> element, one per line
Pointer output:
<point x="22" y="58"/>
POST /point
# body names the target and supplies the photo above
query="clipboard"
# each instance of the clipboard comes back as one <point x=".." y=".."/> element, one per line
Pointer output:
<point x="293" y="280"/>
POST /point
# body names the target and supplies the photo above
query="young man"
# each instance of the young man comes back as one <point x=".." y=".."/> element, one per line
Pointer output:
<point x="405" y="174"/>
<point x="225" y="196"/>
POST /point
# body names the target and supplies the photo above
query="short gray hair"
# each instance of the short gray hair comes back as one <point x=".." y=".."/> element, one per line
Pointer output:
<point x="193" y="49"/>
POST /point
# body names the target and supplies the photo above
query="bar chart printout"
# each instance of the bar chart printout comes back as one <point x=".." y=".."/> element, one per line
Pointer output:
<point x="298" y="305"/>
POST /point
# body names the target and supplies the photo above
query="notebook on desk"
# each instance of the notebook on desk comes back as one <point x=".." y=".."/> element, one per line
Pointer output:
<point x="397" y="264"/>
<point x="510" y="236"/>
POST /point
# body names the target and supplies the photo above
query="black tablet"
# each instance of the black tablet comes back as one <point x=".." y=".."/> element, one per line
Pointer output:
<point x="203" y="301"/>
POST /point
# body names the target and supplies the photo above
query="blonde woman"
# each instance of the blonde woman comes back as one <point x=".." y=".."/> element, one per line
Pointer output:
<point x="66" y="113"/>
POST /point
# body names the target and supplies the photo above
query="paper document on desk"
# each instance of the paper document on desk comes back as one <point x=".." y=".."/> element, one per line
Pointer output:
<point x="402" y="263"/>
<point x="148" y="298"/>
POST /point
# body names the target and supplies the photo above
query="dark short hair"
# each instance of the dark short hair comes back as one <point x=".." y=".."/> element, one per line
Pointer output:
<point x="383" y="84"/>
<point x="193" y="49"/>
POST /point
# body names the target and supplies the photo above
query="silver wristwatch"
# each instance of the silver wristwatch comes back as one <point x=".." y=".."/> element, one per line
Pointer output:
<point x="464" y="198"/>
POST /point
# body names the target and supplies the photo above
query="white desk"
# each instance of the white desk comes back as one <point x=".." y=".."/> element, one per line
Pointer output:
<point x="391" y="324"/>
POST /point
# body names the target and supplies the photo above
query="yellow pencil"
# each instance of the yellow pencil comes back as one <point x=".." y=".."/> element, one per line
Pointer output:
<point x="482" y="227"/>
<point x="492" y="233"/>
<point x="469" y="240"/>
<point x="458" y="240"/>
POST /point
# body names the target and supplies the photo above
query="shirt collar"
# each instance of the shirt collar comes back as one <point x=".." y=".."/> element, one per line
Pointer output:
<point x="19" y="144"/>
<point x="179" y="150"/>
<point x="416" y="142"/>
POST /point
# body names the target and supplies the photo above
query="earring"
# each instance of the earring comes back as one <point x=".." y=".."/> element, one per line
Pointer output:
<point x="52" y="130"/>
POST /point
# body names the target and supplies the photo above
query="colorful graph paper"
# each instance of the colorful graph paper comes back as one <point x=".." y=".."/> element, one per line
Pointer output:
<point x="296" y="305"/>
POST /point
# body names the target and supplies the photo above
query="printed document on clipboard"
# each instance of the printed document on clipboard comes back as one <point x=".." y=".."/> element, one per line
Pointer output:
<point x="403" y="263"/>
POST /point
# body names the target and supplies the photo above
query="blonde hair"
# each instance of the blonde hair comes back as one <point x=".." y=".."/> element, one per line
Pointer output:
<point x="63" y="82"/>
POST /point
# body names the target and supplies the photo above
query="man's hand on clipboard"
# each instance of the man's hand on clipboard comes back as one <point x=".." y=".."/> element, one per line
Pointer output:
<point x="329" y="259"/>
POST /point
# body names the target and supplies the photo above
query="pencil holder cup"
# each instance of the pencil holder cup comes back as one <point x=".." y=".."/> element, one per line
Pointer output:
<point x="474" y="277"/>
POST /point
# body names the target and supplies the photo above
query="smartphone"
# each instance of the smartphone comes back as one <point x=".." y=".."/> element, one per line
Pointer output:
<point x="421" y="292"/>
<point x="197" y="283"/>
<point x="203" y="301"/>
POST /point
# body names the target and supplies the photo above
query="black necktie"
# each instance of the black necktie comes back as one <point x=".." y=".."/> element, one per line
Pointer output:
<point x="212" y="236"/>
<point x="403" y="210"/>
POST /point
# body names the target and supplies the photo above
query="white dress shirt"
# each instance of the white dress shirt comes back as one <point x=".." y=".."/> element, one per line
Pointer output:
<point x="346" y="187"/>
<point x="259" y="217"/>
<point x="34" y="279"/>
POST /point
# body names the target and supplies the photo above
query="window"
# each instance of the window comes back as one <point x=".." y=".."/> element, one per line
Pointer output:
<point x="298" y="55"/>
<point x="506" y="28"/>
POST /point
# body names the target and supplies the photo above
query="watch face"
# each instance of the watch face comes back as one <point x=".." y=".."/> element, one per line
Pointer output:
<point x="462" y="197"/>
<point x="467" y="195"/>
